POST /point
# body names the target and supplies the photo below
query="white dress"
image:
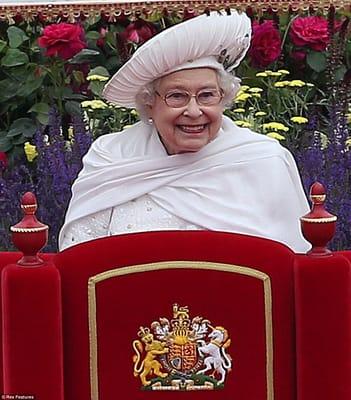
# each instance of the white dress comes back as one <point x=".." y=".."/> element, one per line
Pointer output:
<point x="139" y="215"/>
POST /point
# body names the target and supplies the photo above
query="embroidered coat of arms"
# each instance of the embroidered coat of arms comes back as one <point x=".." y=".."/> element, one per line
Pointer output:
<point x="182" y="353"/>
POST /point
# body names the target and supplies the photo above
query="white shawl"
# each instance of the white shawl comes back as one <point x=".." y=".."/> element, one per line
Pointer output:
<point x="240" y="182"/>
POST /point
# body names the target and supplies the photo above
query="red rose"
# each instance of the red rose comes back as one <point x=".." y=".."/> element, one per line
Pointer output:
<point x="138" y="32"/>
<point x="265" y="44"/>
<point x="3" y="160"/>
<point x="311" y="32"/>
<point x="62" y="40"/>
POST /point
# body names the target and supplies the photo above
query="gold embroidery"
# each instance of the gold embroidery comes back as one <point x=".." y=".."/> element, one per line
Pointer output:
<point x="318" y="197"/>
<point x="94" y="280"/>
<point x="28" y="230"/>
<point x="319" y="220"/>
<point x="72" y="10"/>
<point x="191" y="353"/>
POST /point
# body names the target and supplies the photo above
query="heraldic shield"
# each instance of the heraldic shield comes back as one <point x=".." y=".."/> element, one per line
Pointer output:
<point x="182" y="353"/>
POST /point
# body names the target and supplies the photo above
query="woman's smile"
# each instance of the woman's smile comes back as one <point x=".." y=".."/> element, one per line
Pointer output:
<point x="192" y="129"/>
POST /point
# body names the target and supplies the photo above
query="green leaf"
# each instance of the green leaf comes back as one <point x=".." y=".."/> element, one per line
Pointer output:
<point x="274" y="100"/>
<point x="42" y="112"/>
<point x="92" y="35"/>
<point x="22" y="126"/>
<point x="42" y="108"/>
<point x="19" y="140"/>
<point x="21" y="73"/>
<point x="84" y="56"/>
<point x="67" y="94"/>
<point x="16" y="36"/>
<point x="340" y="73"/>
<point x="73" y="108"/>
<point x="30" y="86"/>
<point x="113" y="63"/>
<point x="8" y="89"/>
<point x="317" y="61"/>
<point x="99" y="71"/>
<point x="13" y="58"/>
<point x="43" y="118"/>
<point x="5" y="144"/>
<point x="97" y="87"/>
<point x="2" y="45"/>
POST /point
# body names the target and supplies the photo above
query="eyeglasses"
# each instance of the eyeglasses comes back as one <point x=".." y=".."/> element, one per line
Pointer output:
<point x="180" y="98"/>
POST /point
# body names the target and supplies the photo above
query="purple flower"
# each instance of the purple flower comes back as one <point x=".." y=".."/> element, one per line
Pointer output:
<point x="50" y="178"/>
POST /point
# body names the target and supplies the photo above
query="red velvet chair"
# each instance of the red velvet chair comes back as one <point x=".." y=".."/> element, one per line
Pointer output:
<point x="288" y="318"/>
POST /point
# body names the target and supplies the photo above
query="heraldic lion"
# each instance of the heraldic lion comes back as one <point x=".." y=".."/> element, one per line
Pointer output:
<point x="149" y="365"/>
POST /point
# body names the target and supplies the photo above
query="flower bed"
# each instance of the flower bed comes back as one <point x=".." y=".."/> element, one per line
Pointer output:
<point x="296" y="85"/>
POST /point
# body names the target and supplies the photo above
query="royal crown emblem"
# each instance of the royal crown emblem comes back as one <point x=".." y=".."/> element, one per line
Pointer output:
<point x="182" y="354"/>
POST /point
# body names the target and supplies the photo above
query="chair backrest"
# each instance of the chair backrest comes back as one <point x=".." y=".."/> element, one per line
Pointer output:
<point x="117" y="290"/>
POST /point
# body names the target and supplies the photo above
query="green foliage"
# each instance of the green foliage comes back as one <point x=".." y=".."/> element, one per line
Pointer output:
<point x="317" y="61"/>
<point x="32" y="82"/>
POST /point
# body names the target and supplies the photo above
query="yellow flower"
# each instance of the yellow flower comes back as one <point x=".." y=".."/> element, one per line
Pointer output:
<point x="348" y="143"/>
<point x="275" y="73"/>
<point x="70" y="132"/>
<point x="134" y="112"/>
<point x="284" y="71"/>
<point x="243" y="124"/>
<point x="255" y="90"/>
<point x="268" y="71"/>
<point x="256" y="95"/>
<point x="275" y="135"/>
<point x="239" y="110"/>
<point x="260" y="114"/>
<point x="261" y="74"/>
<point x="251" y="108"/>
<point x="94" y="104"/>
<point x="276" y="126"/>
<point x="297" y="83"/>
<point x="244" y="87"/>
<point x="281" y="84"/>
<point x="299" y="120"/>
<point x="96" y="77"/>
<point x="31" y="151"/>
<point x="309" y="84"/>
<point x="242" y="97"/>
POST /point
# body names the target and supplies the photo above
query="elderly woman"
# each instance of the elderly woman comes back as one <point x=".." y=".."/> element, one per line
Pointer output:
<point x="186" y="166"/>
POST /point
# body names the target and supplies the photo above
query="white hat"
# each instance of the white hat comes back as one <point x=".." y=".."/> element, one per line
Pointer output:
<point x="219" y="41"/>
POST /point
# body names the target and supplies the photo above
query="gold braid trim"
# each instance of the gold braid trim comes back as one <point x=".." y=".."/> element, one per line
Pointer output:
<point x="91" y="8"/>
<point x="28" y="230"/>
<point x="319" y="220"/>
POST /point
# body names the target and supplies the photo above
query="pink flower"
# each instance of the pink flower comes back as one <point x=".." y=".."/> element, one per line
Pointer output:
<point x="4" y="162"/>
<point x="62" y="40"/>
<point x="298" y="56"/>
<point x="265" y="44"/>
<point x="310" y="32"/>
<point x="101" y="41"/>
<point x="138" y="32"/>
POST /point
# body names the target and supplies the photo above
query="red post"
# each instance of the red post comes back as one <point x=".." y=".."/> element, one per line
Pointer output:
<point x="31" y="315"/>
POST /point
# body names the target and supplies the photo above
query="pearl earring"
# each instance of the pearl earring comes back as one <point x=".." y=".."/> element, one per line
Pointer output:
<point x="150" y="121"/>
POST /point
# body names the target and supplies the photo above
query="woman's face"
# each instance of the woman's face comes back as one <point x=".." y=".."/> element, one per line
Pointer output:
<point x="191" y="127"/>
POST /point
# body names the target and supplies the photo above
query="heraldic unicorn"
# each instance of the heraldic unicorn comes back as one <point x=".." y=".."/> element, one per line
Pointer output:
<point x="182" y="354"/>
